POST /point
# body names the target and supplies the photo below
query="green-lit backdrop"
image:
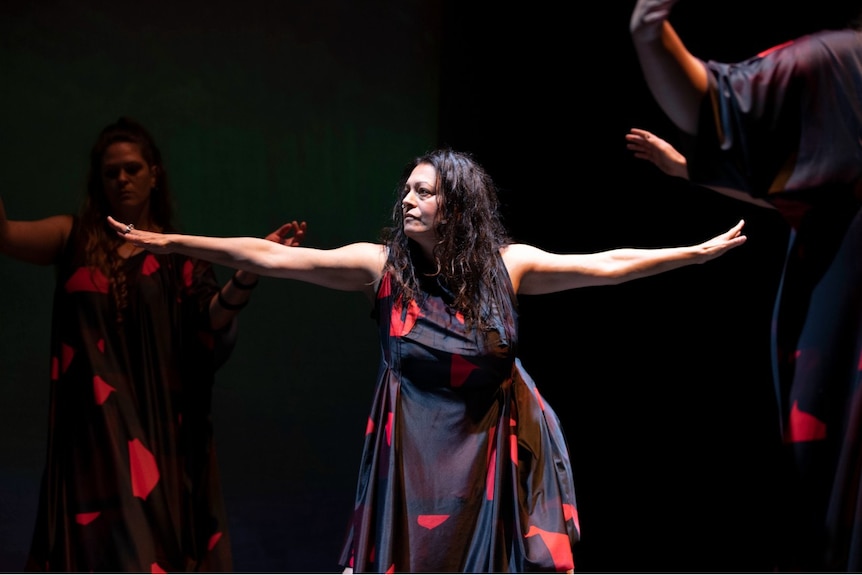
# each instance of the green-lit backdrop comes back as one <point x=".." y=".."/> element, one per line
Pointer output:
<point x="266" y="111"/>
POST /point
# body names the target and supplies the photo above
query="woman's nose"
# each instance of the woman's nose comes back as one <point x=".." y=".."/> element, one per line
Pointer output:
<point x="407" y="202"/>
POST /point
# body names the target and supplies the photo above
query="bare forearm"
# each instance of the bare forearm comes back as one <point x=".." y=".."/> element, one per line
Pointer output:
<point x="253" y="255"/>
<point x="677" y="79"/>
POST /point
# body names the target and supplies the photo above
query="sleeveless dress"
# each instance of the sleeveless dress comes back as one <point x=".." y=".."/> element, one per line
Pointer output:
<point x="464" y="467"/>
<point x="131" y="482"/>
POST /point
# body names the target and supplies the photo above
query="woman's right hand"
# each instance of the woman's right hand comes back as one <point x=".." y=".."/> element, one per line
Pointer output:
<point x="151" y="241"/>
<point x="648" y="146"/>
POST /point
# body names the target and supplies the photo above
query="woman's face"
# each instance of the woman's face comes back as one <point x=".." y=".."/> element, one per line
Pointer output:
<point x="127" y="178"/>
<point x="420" y="203"/>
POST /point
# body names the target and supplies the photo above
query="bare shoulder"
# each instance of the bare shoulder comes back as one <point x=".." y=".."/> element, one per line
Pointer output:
<point x="371" y="255"/>
<point x="519" y="260"/>
<point x="515" y="255"/>
<point x="367" y="255"/>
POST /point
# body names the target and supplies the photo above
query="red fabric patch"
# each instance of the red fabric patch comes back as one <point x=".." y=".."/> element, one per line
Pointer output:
<point x="155" y="568"/>
<point x="389" y="429"/>
<point x="101" y="345"/>
<point x="571" y="512"/>
<point x="399" y="327"/>
<point x="459" y="371"/>
<point x="87" y="279"/>
<point x="101" y="390"/>
<point x="188" y="273"/>
<point x="213" y="540"/>
<point x="369" y="427"/>
<point x="774" y="48"/>
<point x="151" y="265"/>
<point x="86" y="518"/>
<point x="143" y="469"/>
<point x="492" y="476"/>
<point x="431" y="521"/>
<point x="803" y="426"/>
<point x="385" y="287"/>
<point x="67" y="354"/>
<point x="558" y="545"/>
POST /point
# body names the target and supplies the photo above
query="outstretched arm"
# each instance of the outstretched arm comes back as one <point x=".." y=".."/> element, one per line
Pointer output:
<point x="235" y="294"/>
<point x="647" y="146"/>
<point x="354" y="267"/>
<point x="677" y="79"/>
<point x="36" y="242"/>
<point x="535" y="271"/>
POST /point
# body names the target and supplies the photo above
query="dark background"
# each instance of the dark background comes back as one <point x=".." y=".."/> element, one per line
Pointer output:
<point x="271" y="111"/>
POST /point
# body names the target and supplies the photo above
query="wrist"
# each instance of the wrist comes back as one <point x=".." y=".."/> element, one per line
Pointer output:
<point x="248" y="282"/>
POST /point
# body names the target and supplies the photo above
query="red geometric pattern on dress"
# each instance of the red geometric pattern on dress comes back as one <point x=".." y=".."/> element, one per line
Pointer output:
<point x="369" y="427"/>
<point x="143" y="469"/>
<point x="86" y="518"/>
<point x="101" y="390"/>
<point x="188" y="273"/>
<point x="389" y="419"/>
<point x="87" y="279"/>
<point x="539" y="399"/>
<point x="492" y="465"/>
<point x="55" y="369"/>
<point x="431" y="521"/>
<point x="213" y="540"/>
<point x="101" y="345"/>
<point x="460" y="370"/>
<point x="67" y="354"/>
<point x="399" y="328"/>
<point x="385" y="287"/>
<point x="558" y="545"/>
<point x="460" y="317"/>
<point x="391" y="568"/>
<point x="774" y="48"/>
<point x="571" y="512"/>
<point x="150" y="266"/>
<point x="156" y="568"/>
<point x="803" y="426"/>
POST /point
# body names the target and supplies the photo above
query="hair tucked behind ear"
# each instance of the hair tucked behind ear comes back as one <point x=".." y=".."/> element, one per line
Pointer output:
<point x="470" y="231"/>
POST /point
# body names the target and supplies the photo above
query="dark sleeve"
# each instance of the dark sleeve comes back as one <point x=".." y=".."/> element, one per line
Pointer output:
<point x="210" y="347"/>
<point x="787" y="120"/>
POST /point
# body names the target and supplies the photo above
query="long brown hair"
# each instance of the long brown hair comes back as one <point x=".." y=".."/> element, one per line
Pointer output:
<point x="471" y="232"/>
<point x="99" y="240"/>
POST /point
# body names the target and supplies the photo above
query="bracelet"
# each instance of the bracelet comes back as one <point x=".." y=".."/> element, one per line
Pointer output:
<point x="239" y="285"/>
<point x="230" y="306"/>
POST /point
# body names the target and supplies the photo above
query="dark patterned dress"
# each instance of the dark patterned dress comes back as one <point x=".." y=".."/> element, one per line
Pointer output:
<point x="465" y="467"/>
<point x="786" y="126"/>
<point x="131" y="481"/>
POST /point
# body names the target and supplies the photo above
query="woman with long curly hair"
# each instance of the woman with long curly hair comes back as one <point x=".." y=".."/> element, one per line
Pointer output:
<point x="465" y="467"/>
<point x="131" y="482"/>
